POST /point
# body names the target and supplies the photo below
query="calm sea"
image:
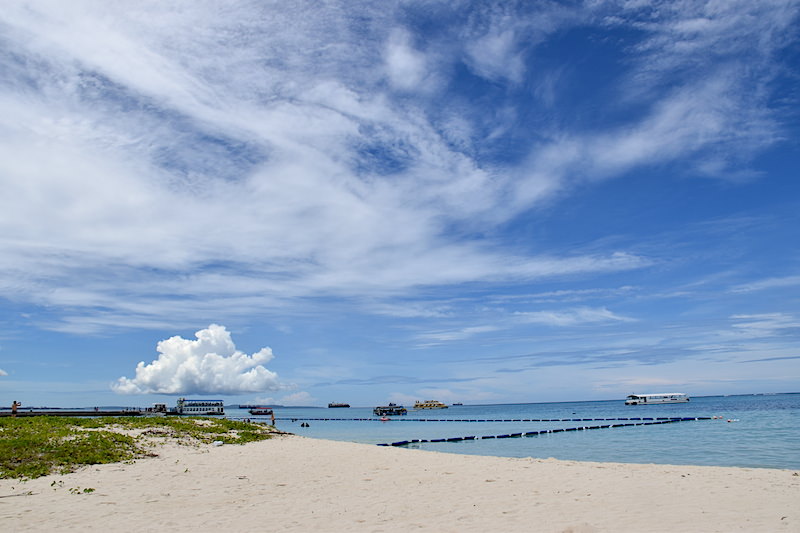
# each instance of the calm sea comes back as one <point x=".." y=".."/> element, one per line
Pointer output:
<point x="753" y="431"/>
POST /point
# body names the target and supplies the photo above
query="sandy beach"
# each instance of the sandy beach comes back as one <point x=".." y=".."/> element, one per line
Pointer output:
<point x="292" y="483"/>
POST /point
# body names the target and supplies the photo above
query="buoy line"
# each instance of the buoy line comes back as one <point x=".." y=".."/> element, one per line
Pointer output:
<point x="663" y="420"/>
<point x="405" y="419"/>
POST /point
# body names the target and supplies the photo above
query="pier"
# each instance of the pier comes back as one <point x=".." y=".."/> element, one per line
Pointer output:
<point x="67" y="412"/>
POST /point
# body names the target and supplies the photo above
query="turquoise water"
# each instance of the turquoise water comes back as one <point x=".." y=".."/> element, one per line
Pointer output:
<point x="763" y="431"/>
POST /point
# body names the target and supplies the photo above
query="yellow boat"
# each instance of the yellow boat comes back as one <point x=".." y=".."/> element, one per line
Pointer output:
<point x="429" y="404"/>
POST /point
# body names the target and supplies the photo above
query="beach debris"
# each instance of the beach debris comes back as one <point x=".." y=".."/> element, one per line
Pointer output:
<point x="217" y="443"/>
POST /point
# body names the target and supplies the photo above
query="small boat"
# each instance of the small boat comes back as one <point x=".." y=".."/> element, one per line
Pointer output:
<point x="659" y="398"/>
<point x="390" y="410"/>
<point x="263" y="411"/>
<point x="430" y="404"/>
<point x="333" y="405"/>
<point x="457" y="403"/>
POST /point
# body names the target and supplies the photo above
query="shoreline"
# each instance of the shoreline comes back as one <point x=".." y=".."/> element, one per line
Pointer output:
<point x="302" y="484"/>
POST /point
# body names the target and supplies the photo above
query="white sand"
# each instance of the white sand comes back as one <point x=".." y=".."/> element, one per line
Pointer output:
<point x="299" y="484"/>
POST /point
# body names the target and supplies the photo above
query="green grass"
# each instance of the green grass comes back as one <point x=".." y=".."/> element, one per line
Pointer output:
<point x="31" y="447"/>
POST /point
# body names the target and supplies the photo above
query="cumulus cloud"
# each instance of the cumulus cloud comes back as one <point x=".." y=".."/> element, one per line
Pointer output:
<point x="3" y="372"/>
<point x="209" y="365"/>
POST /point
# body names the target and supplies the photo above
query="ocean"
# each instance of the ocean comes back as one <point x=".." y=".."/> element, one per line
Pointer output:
<point x="761" y="431"/>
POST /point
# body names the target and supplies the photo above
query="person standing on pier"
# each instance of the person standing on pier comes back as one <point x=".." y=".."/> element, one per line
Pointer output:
<point x="14" y="407"/>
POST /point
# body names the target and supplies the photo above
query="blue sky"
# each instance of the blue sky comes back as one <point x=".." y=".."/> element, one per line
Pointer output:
<point x="483" y="202"/>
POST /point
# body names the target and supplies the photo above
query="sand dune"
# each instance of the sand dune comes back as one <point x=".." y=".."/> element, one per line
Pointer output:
<point x="297" y="484"/>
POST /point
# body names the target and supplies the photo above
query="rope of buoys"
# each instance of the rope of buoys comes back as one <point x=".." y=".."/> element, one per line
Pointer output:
<point x="642" y="422"/>
<point x="405" y="419"/>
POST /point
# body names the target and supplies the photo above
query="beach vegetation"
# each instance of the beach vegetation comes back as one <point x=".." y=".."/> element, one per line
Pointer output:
<point x="31" y="447"/>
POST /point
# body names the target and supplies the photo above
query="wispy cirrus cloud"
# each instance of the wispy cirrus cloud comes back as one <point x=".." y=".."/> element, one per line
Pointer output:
<point x="437" y="337"/>
<point x="400" y="380"/>
<point x="770" y="359"/>
<point x="571" y="317"/>
<point x="506" y="321"/>
<point x="248" y="157"/>
<point x="568" y="295"/>
<point x="767" y="284"/>
<point x="765" y="325"/>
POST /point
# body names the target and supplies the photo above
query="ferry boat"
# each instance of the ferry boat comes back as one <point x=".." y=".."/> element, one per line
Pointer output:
<point x="430" y="404"/>
<point x="198" y="407"/>
<point x="650" y="399"/>
<point x="390" y="410"/>
<point x="333" y="405"/>
<point x="264" y="411"/>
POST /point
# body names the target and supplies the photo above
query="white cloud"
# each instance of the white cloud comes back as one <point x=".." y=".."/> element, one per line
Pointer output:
<point x="244" y="157"/>
<point x="209" y="365"/>
<point x="682" y="33"/>
<point x="401" y="398"/>
<point x="571" y="317"/>
<point x="496" y="56"/>
<point x="405" y="66"/>
<point x="3" y="372"/>
<point x="499" y="37"/>
<point x="562" y="318"/>
<point x="764" y="324"/>
<point x="439" y="394"/>
<point x="769" y="283"/>
<point x="295" y="398"/>
<point x="456" y="335"/>
<point x="298" y="398"/>
<point x="637" y="383"/>
<point x="412" y="309"/>
<point x="712" y="111"/>
<point x="568" y="295"/>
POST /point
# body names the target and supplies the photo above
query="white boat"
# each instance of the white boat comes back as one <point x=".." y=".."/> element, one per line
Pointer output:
<point x="198" y="407"/>
<point x="658" y="398"/>
<point x="429" y="404"/>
